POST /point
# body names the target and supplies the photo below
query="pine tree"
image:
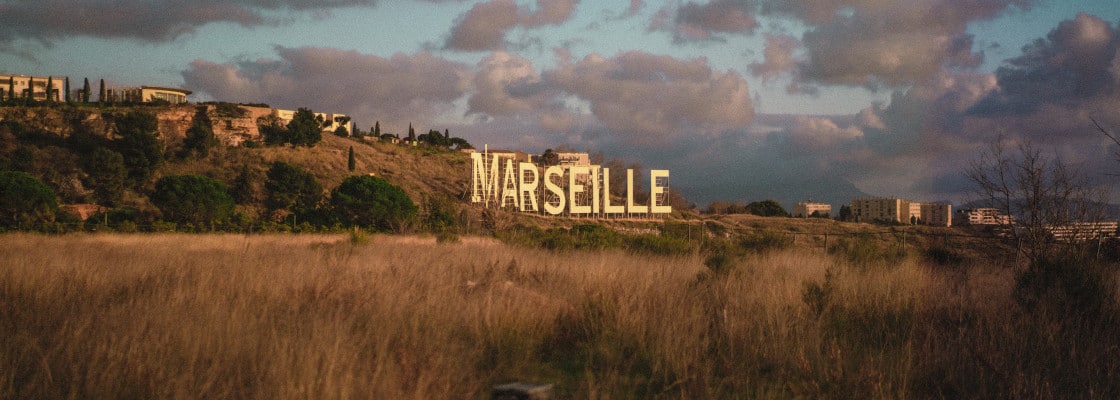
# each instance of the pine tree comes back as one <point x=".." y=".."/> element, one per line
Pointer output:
<point x="85" y="91"/>
<point x="50" y="89"/>
<point x="350" y="164"/>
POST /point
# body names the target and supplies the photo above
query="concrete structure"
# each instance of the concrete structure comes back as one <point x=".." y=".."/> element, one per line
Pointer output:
<point x="23" y="86"/>
<point x="984" y="216"/>
<point x="936" y="214"/>
<point x="881" y="210"/>
<point x="805" y="209"/>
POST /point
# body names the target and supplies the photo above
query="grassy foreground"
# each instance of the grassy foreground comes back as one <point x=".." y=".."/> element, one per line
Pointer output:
<point x="391" y="317"/>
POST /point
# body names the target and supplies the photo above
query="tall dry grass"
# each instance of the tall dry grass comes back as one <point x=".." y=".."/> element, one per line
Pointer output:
<point x="230" y="316"/>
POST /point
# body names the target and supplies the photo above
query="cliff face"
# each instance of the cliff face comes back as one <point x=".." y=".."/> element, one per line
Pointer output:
<point x="232" y="128"/>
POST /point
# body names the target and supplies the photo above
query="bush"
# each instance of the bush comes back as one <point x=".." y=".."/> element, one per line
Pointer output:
<point x="192" y="199"/>
<point x="764" y="241"/>
<point x="25" y="200"/>
<point x="369" y="201"/>
<point x="659" y="245"/>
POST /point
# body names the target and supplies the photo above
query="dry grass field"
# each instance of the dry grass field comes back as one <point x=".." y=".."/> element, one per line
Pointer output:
<point x="403" y="317"/>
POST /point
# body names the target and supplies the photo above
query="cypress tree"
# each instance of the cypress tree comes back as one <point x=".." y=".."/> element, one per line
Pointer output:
<point x="30" y="88"/>
<point x="377" y="129"/>
<point x="101" y="92"/>
<point x="66" y="87"/>
<point x="50" y="87"/>
<point x="85" y="91"/>
<point x="411" y="134"/>
<point x="351" y="163"/>
<point x="11" y="88"/>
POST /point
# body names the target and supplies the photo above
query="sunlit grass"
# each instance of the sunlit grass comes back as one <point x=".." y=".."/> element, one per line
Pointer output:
<point x="339" y="316"/>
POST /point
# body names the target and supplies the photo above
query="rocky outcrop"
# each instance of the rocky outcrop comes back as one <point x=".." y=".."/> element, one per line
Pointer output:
<point x="233" y="125"/>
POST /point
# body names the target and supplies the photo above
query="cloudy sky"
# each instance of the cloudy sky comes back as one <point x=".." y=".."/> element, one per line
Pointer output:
<point x="739" y="99"/>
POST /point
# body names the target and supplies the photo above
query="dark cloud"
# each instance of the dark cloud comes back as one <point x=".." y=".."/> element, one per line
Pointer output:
<point x="656" y="96"/>
<point x="484" y="26"/>
<point x="394" y="90"/>
<point x="1079" y="61"/>
<point x="875" y="43"/>
<point x="696" y="22"/>
<point x="152" y="20"/>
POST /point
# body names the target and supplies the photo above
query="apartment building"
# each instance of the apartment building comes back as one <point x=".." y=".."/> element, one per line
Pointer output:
<point x="936" y="214"/>
<point x="805" y="209"/>
<point x="984" y="216"/>
<point x="881" y="210"/>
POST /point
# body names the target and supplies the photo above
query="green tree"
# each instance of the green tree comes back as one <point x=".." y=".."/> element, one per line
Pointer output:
<point x="245" y="189"/>
<point x="106" y="174"/>
<point x="139" y="144"/>
<point x="305" y="128"/>
<point x="350" y="162"/>
<point x="49" y="90"/>
<point x="377" y="129"/>
<point x="192" y="199"/>
<point x="11" y="88"/>
<point x="200" y="136"/>
<point x="369" y="201"/>
<point x="66" y="88"/>
<point x="550" y="158"/>
<point x="290" y="188"/>
<point x="25" y="200"/>
<point x="766" y="208"/>
<point x="101" y="92"/>
<point x="411" y="134"/>
<point x="343" y="122"/>
<point x="85" y="91"/>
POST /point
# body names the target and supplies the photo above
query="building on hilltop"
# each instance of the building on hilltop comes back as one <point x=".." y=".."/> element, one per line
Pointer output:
<point x="147" y="94"/>
<point x="331" y="122"/>
<point x="34" y="87"/>
<point x="806" y="209"/>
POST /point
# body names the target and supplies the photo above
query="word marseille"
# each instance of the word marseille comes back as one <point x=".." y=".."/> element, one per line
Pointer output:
<point x="521" y="189"/>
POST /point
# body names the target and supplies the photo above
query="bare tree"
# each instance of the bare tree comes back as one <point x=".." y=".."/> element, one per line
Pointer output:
<point x="1042" y="194"/>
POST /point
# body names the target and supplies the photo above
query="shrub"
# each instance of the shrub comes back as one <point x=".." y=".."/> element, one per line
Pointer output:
<point x="763" y="241"/>
<point x="192" y="199"/>
<point x="25" y="200"/>
<point x="369" y="201"/>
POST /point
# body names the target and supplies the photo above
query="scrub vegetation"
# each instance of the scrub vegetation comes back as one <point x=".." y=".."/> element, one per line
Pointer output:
<point x="377" y="316"/>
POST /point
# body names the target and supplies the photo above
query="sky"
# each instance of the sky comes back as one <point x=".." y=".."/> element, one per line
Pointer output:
<point x="743" y="100"/>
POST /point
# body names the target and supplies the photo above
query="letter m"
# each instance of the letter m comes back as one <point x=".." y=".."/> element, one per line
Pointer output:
<point x="484" y="181"/>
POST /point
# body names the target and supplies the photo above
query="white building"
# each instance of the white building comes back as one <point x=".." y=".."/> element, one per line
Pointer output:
<point x="331" y="122"/>
<point x="35" y="87"/>
<point x="805" y="209"/>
